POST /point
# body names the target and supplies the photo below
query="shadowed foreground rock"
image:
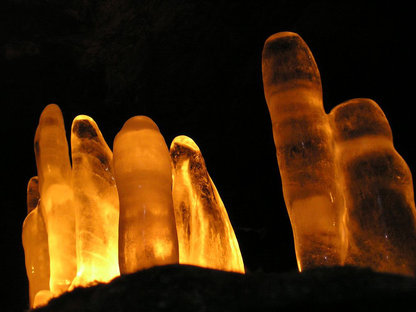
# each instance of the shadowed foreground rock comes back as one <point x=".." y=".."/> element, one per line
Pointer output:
<point x="187" y="288"/>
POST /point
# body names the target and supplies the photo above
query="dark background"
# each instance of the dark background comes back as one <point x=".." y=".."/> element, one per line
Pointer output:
<point x="194" y="67"/>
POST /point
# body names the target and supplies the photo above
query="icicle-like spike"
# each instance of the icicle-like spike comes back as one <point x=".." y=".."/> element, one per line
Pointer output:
<point x="205" y="234"/>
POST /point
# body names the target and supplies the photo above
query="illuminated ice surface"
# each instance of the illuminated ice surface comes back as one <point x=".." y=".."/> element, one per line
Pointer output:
<point x="147" y="233"/>
<point x="348" y="193"/>
<point x="106" y="215"/>
<point x="206" y="237"/>
<point x="35" y="244"/>
<point x="96" y="204"/>
<point x="56" y="198"/>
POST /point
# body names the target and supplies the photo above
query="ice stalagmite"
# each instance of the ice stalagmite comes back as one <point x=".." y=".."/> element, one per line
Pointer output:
<point x="56" y="204"/>
<point x="96" y="204"/>
<point x="206" y="236"/>
<point x="378" y="190"/>
<point x="304" y="148"/>
<point x="340" y="168"/>
<point x="147" y="231"/>
<point x="35" y="244"/>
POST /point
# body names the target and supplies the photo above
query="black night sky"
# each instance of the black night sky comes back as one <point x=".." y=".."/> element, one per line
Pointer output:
<point x="194" y="67"/>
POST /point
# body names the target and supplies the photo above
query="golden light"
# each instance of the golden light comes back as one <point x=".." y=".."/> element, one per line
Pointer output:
<point x="147" y="232"/>
<point x="109" y="214"/>
<point x="201" y="219"/>
<point x="56" y="197"/>
<point x="96" y="204"/>
<point x="348" y="192"/>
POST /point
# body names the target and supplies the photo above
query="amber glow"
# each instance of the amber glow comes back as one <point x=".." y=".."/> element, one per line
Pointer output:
<point x="56" y="197"/>
<point x="144" y="180"/>
<point x="35" y="242"/>
<point x="348" y="192"/>
<point x="96" y="204"/>
<point x="105" y="215"/>
<point x="206" y="237"/>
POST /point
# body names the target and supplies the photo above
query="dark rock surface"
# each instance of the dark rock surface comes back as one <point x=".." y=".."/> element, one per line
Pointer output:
<point x="187" y="288"/>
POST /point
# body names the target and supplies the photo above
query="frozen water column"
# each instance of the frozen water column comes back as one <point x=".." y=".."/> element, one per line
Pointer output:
<point x="378" y="190"/>
<point x="304" y="148"/>
<point x="56" y="198"/>
<point x="96" y="204"/>
<point x="35" y="244"/>
<point x="147" y="230"/>
<point x="206" y="236"/>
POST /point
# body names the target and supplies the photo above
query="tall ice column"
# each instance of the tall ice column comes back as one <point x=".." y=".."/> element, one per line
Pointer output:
<point x="56" y="203"/>
<point x="147" y="230"/>
<point x="96" y="204"/>
<point x="304" y="149"/>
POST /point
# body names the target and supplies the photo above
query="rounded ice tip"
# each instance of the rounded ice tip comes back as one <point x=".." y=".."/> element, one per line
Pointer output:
<point x="139" y="123"/>
<point x="186" y="141"/>
<point x="282" y="34"/>
<point x="84" y="127"/>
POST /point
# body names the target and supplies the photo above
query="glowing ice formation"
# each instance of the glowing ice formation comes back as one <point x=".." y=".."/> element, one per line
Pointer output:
<point x="305" y="152"/>
<point x="206" y="237"/>
<point x="147" y="233"/>
<point x="56" y="198"/>
<point x="35" y="244"/>
<point x="348" y="193"/>
<point x="106" y="214"/>
<point x="378" y="190"/>
<point x="96" y="204"/>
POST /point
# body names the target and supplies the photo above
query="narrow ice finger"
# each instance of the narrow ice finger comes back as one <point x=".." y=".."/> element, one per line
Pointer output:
<point x="35" y="244"/>
<point x="51" y="149"/>
<point x="301" y="130"/>
<point x="96" y="204"/>
<point x="303" y="140"/>
<point x="56" y="205"/>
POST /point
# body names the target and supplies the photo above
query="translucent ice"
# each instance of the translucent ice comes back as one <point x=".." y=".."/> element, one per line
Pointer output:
<point x="378" y="190"/>
<point x="147" y="232"/>
<point x="56" y="204"/>
<point x="305" y="152"/>
<point x="96" y="204"/>
<point x="35" y="244"/>
<point x="348" y="192"/>
<point x="106" y="215"/>
<point x="206" y="237"/>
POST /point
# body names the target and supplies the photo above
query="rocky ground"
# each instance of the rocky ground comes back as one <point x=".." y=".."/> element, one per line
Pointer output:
<point x="188" y="288"/>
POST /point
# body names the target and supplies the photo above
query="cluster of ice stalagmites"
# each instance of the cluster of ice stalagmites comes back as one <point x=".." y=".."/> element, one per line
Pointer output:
<point x="110" y="214"/>
<point x="348" y="192"/>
